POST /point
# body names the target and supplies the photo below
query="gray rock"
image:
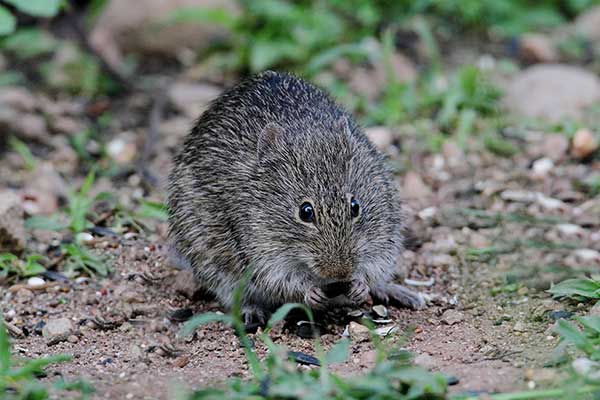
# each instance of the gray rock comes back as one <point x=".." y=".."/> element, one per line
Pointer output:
<point x="451" y="317"/>
<point x="358" y="333"/>
<point x="552" y="91"/>
<point x="57" y="330"/>
<point x="12" y="230"/>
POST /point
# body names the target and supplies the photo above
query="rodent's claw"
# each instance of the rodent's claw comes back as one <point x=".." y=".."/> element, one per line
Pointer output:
<point x="359" y="292"/>
<point x="393" y="293"/>
<point x="315" y="298"/>
<point x="254" y="316"/>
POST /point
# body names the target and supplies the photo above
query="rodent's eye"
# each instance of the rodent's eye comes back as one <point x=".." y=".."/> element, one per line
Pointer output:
<point x="307" y="212"/>
<point x="354" y="208"/>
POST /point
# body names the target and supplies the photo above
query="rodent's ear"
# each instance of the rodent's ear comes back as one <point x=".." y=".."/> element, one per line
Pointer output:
<point x="269" y="138"/>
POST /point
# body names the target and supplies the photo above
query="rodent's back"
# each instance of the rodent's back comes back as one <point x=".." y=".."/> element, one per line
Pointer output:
<point x="229" y="209"/>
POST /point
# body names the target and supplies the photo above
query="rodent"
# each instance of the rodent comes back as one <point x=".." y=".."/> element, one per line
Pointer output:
<point x="277" y="179"/>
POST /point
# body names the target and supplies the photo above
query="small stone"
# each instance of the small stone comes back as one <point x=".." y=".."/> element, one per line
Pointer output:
<point x="542" y="166"/>
<point x="561" y="314"/>
<point x="181" y="361"/>
<point x="12" y="229"/>
<point x="536" y="47"/>
<point x="428" y="213"/>
<point x="587" y="255"/>
<point x="453" y="154"/>
<point x="122" y="149"/>
<point x="84" y="237"/>
<point x="35" y="281"/>
<point x="549" y="203"/>
<point x="523" y="291"/>
<point x="57" y="330"/>
<point x="451" y="317"/>
<point x="519" y="327"/>
<point x="358" y="333"/>
<point x="584" y="143"/>
<point x="570" y="230"/>
<point x="73" y="339"/>
<point x="414" y="187"/>
<point x="381" y="311"/>
<point x="24" y="295"/>
<point x="380" y="136"/>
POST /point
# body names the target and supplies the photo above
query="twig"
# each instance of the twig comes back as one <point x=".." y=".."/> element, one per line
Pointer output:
<point x="83" y="38"/>
<point x="154" y="121"/>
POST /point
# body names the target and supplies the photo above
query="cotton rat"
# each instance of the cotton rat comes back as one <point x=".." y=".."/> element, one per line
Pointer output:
<point x="278" y="181"/>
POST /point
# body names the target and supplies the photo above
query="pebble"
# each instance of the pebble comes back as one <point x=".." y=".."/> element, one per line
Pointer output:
<point x="35" y="281"/>
<point x="428" y="213"/>
<point x="12" y="230"/>
<point x="570" y="229"/>
<point x="84" y="237"/>
<point x="380" y="310"/>
<point x="584" y="143"/>
<point x="24" y="295"/>
<point x="181" y="361"/>
<point x="73" y="339"/>
<point x="57" y="330"/>
<point x="519" y="327"/>
<point x="561" y="314"/>
<point x="587" y="255"/>
<point x="358" y="333"/>
<point x="542" y="166"/>
<point x="537" y="47"/>
<point x="122" y="150"/>
<point x="451" y="317"/>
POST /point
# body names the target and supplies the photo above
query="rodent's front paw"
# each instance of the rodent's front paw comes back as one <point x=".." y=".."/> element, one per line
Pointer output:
<point x="254" y="316"/>
<point x="316" y="298"/>
<point x="359" y="292"/>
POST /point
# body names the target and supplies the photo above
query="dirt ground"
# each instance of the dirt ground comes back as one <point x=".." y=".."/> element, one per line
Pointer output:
<point x="489" y="322"/>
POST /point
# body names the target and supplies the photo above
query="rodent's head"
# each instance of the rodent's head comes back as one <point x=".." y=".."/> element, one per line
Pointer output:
<point x="325" y="202"/>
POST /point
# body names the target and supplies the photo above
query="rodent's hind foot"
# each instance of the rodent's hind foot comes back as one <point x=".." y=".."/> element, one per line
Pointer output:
<point x="395" y="294"/>
<point x="254" y="317"/>
<point x="316" y="298"/>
